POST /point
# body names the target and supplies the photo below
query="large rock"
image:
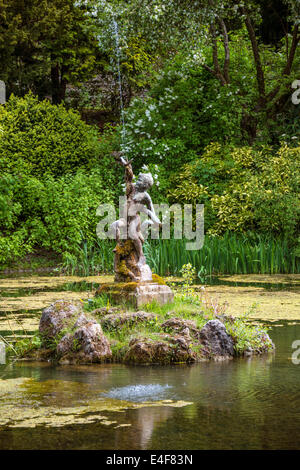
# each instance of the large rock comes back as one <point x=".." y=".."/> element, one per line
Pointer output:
<point x="86" y="344"/>
<point x="265" y="345"/>
<point x="57" y="316"/>
<point x="216" y="340"/>
<point x="179" y="325"/>
<point x="212" y="341"/>
<point x="83" y="342"/>
<point x="100" y="312"/>
<point x="164" y="350"/>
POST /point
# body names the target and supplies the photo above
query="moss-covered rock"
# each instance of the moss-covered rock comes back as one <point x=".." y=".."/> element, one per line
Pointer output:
<point x="158" y="279"/>
<point x="166" y="350"/>
<point x="74" y="337"/>
<point x="128" y="319"/>
<point x="57" y="316"/>
<point x="87" y="344"/>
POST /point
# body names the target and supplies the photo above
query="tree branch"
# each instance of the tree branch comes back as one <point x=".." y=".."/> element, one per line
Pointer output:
<point x="259" y="70"/>
<point x="209" y="69"/>
<point x="226" y="49"/>
<point x="217" y="68"/>
<point x="295" y="41"/>
<point x="288" y="67"/>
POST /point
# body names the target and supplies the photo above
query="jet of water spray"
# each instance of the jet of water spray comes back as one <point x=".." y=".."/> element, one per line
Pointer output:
<point x="116" y="31"/>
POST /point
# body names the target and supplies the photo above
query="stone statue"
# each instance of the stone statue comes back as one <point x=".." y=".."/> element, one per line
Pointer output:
<point x="130" y="263"/>
<point x="134" y="282"/>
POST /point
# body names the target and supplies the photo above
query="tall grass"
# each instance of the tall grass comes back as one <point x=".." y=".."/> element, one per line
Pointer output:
<point x="97" y="258"/>
<point x="230" y="254"/>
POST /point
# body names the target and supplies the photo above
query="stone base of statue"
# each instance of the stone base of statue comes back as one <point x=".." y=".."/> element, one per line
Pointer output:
<point x="137" y="293"/>
<point x="127" y="266"/>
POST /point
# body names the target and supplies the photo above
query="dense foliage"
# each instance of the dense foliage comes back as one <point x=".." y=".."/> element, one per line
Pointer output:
<point x="55" y="171"/>
<point x="57" y="214"/>
<point x="184" y="111"/>
<point x="208" y="111"/>
<point x="244" y="189"/>
<point x="46" y="45"/>
<point x="39" y="138"/>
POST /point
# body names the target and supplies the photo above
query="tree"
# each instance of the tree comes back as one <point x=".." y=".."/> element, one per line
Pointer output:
<point x="273" y="86"/>
<point x="44" y="45"/>
<point x="215" y="26"/>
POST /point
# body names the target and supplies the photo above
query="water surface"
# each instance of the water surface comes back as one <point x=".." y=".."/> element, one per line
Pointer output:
<point x="240" y="404"/>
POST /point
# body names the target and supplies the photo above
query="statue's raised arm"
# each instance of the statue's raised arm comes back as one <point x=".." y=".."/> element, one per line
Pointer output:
<point x="128" y="172"/>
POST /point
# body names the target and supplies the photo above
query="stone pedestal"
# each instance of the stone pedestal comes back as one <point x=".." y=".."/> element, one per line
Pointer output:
<point x="137" y="293"/>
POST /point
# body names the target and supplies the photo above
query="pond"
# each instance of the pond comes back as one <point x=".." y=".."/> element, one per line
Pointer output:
<point x="250" y="403"/>
<point x="239" y="404"/>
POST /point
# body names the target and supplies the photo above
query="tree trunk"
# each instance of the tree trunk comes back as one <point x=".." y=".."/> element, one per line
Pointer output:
<point x="59" y="84"/>
<point x="55" y="83"/>
<point x="249" y="127"/>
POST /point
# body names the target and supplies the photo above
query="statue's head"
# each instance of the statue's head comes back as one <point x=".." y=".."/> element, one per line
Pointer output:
<point x="144" y="182"/>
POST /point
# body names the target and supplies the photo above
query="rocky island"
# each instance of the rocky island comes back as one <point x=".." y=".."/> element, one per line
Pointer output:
<point x="72" y="333"/>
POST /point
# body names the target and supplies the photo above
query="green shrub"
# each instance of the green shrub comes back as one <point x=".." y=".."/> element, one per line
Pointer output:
<point x="9" y="209"/>
<point x="185" y="110"/>
<point x="53" y="213"/>
<point x="37" y="137"/>
<point x="54" y="174"/>
<point x="243" y="189"/>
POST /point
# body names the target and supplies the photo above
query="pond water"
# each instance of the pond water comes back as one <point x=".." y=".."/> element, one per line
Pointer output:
<point x="249" y="403"/>
<point x="240" y="404"/>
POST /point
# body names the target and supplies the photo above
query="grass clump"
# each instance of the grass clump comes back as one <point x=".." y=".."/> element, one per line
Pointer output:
<point x="22" y="347"/>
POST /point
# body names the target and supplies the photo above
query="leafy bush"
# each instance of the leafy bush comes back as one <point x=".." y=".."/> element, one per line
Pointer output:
<point x="57" y="214"/>
<point x="37" y="137"/>
<point x="243" y="189"/>
<point x="52" y="178"/>
<point x="185" y="110"/>
<point x="9" y="209"/>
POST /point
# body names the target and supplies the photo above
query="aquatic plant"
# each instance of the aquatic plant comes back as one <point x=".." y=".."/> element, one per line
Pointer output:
<point x="90" y="258"/>
<point x="230" y="254"/>
<point x="24" y="346"/>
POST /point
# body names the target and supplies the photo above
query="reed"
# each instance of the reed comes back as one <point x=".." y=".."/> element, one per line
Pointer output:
<point x="90" y="259"/>
<point x="230" y="254"/>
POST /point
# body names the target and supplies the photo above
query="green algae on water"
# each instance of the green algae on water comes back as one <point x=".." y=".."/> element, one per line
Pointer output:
<point x="27" y="403"/>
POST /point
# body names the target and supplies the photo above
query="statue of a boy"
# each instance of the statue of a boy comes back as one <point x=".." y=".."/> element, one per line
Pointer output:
<point x="130" y="263"/>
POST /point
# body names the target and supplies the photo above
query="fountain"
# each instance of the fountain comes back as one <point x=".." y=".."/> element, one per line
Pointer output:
<point x="134" y="280"/>
<point x="79" y="332"/>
